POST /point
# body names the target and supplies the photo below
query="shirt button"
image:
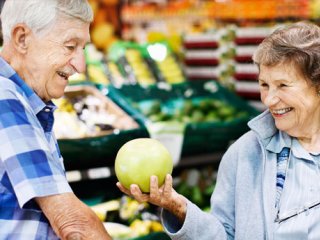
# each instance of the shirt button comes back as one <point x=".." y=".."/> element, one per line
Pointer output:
<point x="47" y="110"/>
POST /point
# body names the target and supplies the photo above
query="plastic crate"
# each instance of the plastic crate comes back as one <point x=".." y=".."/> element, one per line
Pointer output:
<point x="154" y="236"/>
<point x="201" y="137"/>
<point x="100" y="149"/>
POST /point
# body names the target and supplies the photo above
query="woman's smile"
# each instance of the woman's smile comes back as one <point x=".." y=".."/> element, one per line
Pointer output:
<point x="281" y="112"/>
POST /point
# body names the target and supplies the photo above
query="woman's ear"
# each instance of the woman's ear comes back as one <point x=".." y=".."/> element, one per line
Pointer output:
<point x="20" y="37"/>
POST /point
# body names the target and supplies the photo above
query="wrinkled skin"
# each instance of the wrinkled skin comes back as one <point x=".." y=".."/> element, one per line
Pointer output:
<point x="45" y="63"/>
<point x="165" y="196"/>
<point x="293" y="102"/>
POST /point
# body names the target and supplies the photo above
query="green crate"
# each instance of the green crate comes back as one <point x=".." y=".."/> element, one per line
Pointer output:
<point x="98" y="151"/>
<point x="201" y="137"/>
<point x="154" y="236"/>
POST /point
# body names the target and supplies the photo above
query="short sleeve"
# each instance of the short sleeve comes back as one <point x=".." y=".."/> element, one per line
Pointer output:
<point x="26" y="154"/>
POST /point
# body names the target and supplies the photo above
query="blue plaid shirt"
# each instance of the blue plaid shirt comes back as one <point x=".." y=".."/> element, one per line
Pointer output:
<point x="30" y="162"/>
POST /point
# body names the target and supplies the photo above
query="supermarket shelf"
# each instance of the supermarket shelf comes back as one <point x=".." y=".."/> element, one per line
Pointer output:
<point x="107" y="172"/>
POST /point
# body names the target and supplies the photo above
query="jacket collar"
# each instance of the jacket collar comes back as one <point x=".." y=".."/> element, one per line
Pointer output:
<point x="272" y="139"/>
<point x="263" y="125"/>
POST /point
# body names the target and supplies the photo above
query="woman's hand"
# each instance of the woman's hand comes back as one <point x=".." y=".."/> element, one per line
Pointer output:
<point x="165" y="196"/>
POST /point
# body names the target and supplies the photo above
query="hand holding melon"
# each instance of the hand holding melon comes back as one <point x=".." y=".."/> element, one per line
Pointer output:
<point x="139" y="159"/>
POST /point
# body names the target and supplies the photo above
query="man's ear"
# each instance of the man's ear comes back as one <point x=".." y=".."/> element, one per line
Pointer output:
<point x="20" y="37"/>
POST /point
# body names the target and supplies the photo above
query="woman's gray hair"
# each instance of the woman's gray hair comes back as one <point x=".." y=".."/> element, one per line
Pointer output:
<point x="40" y="15"/>
<point x="297" y="44"/>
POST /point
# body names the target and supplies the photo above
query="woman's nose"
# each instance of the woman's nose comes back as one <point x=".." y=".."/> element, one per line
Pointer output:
<point x="271" y="98"/>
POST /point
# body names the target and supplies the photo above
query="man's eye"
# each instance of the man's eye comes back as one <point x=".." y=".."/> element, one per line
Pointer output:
<point x="71" y="48"/>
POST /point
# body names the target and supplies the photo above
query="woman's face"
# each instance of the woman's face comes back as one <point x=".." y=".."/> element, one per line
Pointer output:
<point x="292" y="101"/>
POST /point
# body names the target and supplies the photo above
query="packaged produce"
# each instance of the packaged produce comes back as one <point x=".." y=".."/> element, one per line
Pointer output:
<point x="164" y="63"/>
<point x="131" y="63"/>
<point x="90" y="127"/>
<point x="146" y="64"/>
<point x="85" y="112"/>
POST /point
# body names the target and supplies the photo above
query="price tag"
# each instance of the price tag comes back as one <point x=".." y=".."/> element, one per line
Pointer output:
<point x="73" y="176"/>
<point x="95" y="173"/>
<point x="171" y="135"/>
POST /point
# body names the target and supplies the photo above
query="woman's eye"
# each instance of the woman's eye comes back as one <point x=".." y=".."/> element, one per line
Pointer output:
<point x="283" y="85"/>
<point x="263" y="85"/>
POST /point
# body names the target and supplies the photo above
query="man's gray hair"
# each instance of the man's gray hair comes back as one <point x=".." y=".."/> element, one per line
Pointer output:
<point x="39" y="15"/>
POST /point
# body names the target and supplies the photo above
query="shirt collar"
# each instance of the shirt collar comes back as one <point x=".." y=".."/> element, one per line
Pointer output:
<point x="35" y="101"/>
<point x="282" y="139"/>
<point x="299" y="152"/>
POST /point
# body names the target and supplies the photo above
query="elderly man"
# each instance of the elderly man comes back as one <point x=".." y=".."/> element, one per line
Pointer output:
<point x="43" y="42"/>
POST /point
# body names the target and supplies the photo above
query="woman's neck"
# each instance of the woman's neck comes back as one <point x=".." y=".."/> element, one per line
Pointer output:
<point x="311" y="144"/>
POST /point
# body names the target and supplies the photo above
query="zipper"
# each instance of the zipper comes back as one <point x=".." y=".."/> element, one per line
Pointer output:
<point x="263" y="191"/>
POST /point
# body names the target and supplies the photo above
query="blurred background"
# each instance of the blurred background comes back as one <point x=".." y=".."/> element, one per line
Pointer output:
<point x="179" y="71"/>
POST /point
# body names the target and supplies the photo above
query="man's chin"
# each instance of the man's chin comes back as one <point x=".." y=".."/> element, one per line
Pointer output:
<point x="56" y="95"/>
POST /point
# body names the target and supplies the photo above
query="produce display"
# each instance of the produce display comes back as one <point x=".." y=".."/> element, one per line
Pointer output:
<point x="85" y="112"/>
<point x="135" y="64"/>
<point x="194" y="110"/>
<point x="97" y="74"/>
<point x="114" y="74"/>
<point x="146" y="64"/>
<point x="131" y="63"/>
<point x="126" y="218"/>
<point x="213" y="114"/>
<point x="197" y="184"/>
<point x="158" y="86"/>
<point x="139" y="159"/>
<point x="165" y="64"/>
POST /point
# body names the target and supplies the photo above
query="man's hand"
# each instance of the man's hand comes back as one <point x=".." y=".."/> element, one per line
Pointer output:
<point x="165" y="196"/>
<point x="71" y="219"/>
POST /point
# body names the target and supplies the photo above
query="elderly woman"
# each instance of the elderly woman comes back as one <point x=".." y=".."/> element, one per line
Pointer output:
<point x="268" y="181"/>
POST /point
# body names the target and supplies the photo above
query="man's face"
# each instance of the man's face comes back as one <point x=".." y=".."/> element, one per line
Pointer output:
<point x="54" y="56"/>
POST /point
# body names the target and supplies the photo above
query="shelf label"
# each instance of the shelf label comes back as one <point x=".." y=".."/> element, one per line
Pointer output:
<point x="171" y="135"/>
<point x="73" y="176"/>
<point x="96" y="173"/>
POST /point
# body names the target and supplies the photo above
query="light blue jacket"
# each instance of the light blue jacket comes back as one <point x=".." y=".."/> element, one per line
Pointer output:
<point x="243" y="202"/>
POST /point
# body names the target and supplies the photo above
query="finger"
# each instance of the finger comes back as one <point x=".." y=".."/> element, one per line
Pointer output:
<point x="137" y="194"/>
<point x="167" y="189"/>
<point x="154" y="189"/>
<point x="123" y="189"/>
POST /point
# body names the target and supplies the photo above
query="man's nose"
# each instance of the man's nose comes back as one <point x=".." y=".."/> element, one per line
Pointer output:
<point x="79" y="61"/>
